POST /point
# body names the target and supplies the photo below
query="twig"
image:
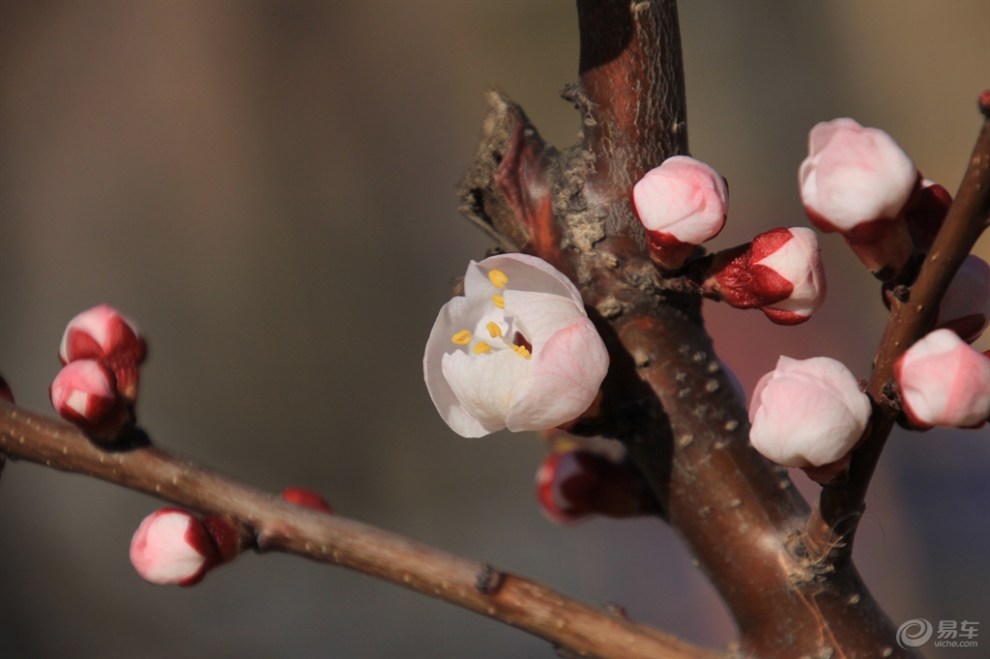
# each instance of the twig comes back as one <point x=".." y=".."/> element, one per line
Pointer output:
<point x="832" y="525"/>
<point x="334" y="539"/>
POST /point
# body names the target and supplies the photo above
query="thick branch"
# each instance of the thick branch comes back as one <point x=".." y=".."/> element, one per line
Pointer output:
<point x="333" y="539"/>
<point x="666" y="395"/>
<point x="833" y="524"/>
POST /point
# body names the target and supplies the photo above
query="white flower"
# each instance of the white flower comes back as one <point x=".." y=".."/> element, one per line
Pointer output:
<point x="517" y="351"/>
<point x="807" y="413"/>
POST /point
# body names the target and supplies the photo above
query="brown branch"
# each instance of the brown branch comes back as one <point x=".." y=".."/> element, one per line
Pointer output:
<point x="334" y="539"/>
<point x="666" y="395"/>
<point x="832" y="525"/>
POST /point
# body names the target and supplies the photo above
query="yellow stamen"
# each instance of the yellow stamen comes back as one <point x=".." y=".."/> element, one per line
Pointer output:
<point x="481" y="348"/>
<point x="497" y="278"/>
<point x="499" y="301"/>
<point x="462" y="338"/>
<point x="521" y="351"/>
<point x="494" y="330"/>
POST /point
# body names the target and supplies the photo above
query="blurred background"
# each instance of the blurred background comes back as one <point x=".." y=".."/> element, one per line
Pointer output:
<point x="268" y="189"/>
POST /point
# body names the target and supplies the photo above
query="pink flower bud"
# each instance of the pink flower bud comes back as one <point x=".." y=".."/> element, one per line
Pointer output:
<point x="5" y="391"/>
<point x="857" y="181"/>
<point x="682" y="203"/>
<point x="518" y="351"/>
<point x="780" y="272"/>
<point x="807" y="413"/>
<point x="172" y="547"/>
<point x="965" y="309"/>
<point x="944" y="382"/>
<point x="306" y="498"/>
<point x="577" y="483"/>
<point x="104" y="334"/>
<point x="925" y="212"/>
<point x="85" y="393"/>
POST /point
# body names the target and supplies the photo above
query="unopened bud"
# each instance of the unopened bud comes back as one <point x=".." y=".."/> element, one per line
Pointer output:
<point x="780" y="272"/>
<point x="857" y="181"/>
<point x="682" y="203"/>
<point x="306" y="498"/>
<point x="807" y="413"/>
<point x="172" y="547"/>
<point x="104" y="334"/>
<point x="85" y="393"/>
<point x="576" y="484"/>
<point x="965" y="309"/>
<point x="944" y="382"/>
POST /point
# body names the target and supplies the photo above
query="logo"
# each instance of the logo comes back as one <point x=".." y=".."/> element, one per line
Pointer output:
<point x="951" y="633"/>
<point x="914" y="633"/>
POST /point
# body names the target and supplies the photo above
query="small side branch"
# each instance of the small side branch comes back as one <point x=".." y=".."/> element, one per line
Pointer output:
<point x="832" y="525"/>
<point x="476" y="586"/>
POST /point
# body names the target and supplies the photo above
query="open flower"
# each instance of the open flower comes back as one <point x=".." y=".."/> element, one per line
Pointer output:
<point x="172" y="547"/>
<point x="682" y="203"/>
<point x="517" y="351"/>
<point x="965" y="309"/>
<point x="857" y="181"/>
<point x="780" y="272"/>
<point x="944" y="382"/>
<point x="807" y="413"/>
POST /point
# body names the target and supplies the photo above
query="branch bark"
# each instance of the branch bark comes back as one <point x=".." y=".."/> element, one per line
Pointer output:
<point x="666" y="396"/>
<point x="333" y="539"/>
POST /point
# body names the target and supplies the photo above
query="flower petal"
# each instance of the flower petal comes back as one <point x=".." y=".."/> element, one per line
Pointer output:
<point x="484" y="387"/>
<point x="565" y="379"/>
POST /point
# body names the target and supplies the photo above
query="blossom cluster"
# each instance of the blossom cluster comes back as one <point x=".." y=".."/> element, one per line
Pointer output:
<point x="101" y="351"/>
<point x="518" y="351"/>
<point x="683" y="203"/>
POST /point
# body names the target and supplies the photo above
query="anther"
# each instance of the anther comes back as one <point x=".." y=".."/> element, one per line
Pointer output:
<point x="481" y="348"/>
<point x="494" y="330"/>
<point x="499" y="301"/>
<point x="497" y="278"/>
<point x="462" y="338"/>
<point x="521" y="351"/>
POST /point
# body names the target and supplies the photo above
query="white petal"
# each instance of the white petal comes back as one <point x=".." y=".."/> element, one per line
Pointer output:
<point x="565" y="379"/>
<point x="538" y="315"/>
<point x="452" y="318"/>
<point x="484" y="387"/>
<point x="525" y="273"/>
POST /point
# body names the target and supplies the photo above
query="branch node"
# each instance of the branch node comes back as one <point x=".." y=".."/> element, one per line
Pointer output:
<point x="489" y="580"/>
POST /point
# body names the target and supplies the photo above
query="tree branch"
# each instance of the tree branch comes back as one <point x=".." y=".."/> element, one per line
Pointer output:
<point x="832" y="525"/>
<point x="666" y="397"/>
<point x="469" y="584"/>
